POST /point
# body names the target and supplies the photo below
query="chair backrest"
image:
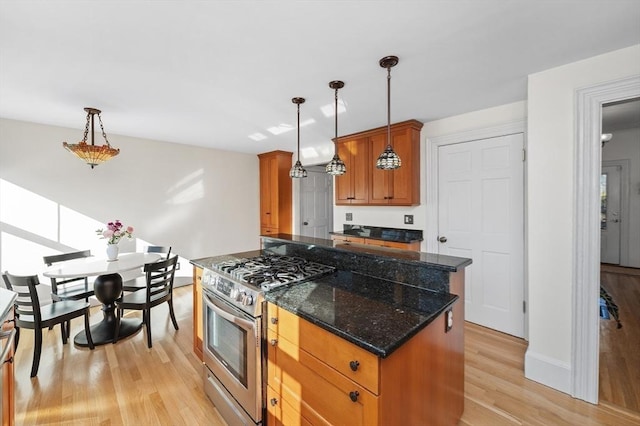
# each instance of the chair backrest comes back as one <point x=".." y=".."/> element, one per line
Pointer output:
<point x="160" y="249"/>
<point x="159" y="277"/>
<point x="27" y="303"/>
<point x="50" y="260"/>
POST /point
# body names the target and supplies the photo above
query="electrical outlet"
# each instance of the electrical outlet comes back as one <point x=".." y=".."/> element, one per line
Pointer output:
<point x="408" y="219"/>
<point x="448" y="325"/>
<point x="349" y="217"/>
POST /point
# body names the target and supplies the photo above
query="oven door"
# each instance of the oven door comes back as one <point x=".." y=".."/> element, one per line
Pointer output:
<point x="232" y="351"/>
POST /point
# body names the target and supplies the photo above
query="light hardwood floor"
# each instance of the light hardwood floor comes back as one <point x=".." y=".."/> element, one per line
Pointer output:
<point x="128" y="384"/>
<point x="620" y="347"/>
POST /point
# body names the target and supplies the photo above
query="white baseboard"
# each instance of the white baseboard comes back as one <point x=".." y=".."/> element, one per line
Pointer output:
<point x="548" y="371"/>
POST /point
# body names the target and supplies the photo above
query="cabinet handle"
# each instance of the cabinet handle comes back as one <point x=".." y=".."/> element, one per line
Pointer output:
<point x="273" y="402"/>
<point x="274" y="342"/>
<point x="274" y="320"/>
<point x="354" y="395"/>
<point x="354" y="365"/>
<point x="267" y="213"/>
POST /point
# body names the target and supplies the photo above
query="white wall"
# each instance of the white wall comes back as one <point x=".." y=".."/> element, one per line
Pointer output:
<point x="625" y="145"/>
<point x="551" y="136"/>
<point x="200" y="201"/>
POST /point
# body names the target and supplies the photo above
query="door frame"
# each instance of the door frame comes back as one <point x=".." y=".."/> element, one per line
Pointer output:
<point x="431" y="233"/>
<point x="624" y="206"/>
<point x="585" y="283"/>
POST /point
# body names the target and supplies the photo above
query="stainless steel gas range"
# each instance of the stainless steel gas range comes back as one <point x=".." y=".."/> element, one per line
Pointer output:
<point x="233" y="345"/>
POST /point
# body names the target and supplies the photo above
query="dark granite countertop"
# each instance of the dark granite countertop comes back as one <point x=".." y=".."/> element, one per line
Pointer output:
<point x="435" y="261"/>
<point x="381" y="233"/>
<point x="7" y="298"/>
<point x="375" y="314"/>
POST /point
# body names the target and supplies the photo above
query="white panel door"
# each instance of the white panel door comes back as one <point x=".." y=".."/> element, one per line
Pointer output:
<point x="481" y="216"/>
<point x="610" y="214"/>
<point x="316" y="204"/>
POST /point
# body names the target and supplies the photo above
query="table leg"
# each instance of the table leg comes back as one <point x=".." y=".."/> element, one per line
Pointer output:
<point x="107" y="289"/>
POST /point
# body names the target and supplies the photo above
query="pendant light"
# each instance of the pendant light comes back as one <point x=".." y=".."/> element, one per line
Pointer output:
<point x="297" y="171"/>
<point x="336" y="167"/>
<point x="92" y="154"/>
<point x="388" y="160"/>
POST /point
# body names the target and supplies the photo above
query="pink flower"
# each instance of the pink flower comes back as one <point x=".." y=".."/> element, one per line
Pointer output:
<point x="107" y="233"/>
<point x="129" y="229"/>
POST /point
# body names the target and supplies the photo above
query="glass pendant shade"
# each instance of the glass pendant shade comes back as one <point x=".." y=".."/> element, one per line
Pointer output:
<point x="336" y="167"/>
<point x="297" y="171"/>
<point x="92" y="154"/>
<point x="388" y="160"/>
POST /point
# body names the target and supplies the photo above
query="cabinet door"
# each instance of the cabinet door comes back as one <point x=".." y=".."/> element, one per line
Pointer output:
<point x="197" y="312"/>
<point x="353" y="187"/>
<point x="404" y="185"/>
<point x="268" y="192"/>
<point x="380" y="184"/>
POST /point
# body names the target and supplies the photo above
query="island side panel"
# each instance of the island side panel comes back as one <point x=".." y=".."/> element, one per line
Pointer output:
<point x="419" y="380"/>
<point x="456" y="286"/>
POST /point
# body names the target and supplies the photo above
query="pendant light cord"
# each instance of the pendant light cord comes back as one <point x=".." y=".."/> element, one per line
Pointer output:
<point x="298" y="132"/>
<point x="335" y="141"/>
<point x="388" y="106"/>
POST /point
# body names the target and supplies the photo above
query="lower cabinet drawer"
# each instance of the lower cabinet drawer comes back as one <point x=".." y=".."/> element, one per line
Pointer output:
<point x="268" y="231"/>
<point x="319" y="393"/>
<point x="281" y="413"/>
<point x="352" y="361"/>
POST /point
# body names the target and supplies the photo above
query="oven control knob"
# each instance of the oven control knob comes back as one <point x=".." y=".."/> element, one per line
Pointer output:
<point x="233" y="293"/>
<point x="247" y="299"/>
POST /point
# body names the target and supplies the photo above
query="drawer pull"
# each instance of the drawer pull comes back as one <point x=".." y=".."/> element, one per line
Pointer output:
<point x="354" y="395"/>
<point x="274" y="342"/>
<point x="354" y="365"/>
<point x="274" y="320"/>
<point x="273" y="402"/>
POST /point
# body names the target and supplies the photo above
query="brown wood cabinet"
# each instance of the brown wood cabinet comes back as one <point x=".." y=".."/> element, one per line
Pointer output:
<point x="275" y="192"/>
<point x="352" y="187"/>
<point x="311" y="379"/>
<point x="198" y="323"/>
<point x="345" y="239"/>
<point x="363" y="183"/>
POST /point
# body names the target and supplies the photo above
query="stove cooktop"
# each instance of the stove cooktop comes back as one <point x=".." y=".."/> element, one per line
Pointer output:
<point x="269" y="271"/>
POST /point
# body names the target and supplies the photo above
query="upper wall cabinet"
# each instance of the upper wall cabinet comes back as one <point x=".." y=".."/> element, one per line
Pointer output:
<point x="352" y="187"/>
<point x="364" y="184"/>
<point x="275" y="192"/>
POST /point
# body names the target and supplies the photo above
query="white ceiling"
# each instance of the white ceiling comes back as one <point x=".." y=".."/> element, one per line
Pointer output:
<point x="211" y="73"/>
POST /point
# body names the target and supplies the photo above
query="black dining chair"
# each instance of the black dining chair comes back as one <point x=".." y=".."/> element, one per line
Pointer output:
<point x="140" y="283"/>
<point x="76" y="288"/>
<point x="30" y="314"/>
<point x="159" y="289"/>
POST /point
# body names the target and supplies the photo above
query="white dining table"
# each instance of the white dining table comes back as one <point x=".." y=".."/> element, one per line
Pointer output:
<point x="107" y="287"/>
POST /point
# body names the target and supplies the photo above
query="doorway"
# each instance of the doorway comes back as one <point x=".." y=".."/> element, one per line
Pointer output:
<point x="585" y="280"/>
<point x="316" y="203"/>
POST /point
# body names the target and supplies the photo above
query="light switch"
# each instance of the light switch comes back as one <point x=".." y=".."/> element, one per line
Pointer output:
<point x="349" y="217"/>
<point x="408" y="219"/>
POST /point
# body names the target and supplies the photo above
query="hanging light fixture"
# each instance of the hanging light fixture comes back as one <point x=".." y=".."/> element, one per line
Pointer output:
<point x="336" y="167"/>
<point x="92" y="154"/>
<point x="297" y="171"/>
<point x="388" y="160"/>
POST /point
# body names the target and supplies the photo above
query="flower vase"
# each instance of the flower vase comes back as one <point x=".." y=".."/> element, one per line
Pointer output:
<point x="112" y="252"/>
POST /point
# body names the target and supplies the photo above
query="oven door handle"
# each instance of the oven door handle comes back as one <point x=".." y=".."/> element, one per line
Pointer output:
<point x="247" y="325"/>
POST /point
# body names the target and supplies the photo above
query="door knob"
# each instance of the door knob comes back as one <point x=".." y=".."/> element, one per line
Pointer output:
<point x="442" y="239"/>
<point x="305" y="223"/>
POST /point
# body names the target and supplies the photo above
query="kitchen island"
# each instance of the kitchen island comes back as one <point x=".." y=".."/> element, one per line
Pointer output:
<point x="378" y="341"/>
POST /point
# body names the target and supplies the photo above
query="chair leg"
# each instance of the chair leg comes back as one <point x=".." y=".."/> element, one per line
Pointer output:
<point x="87" y="330"/>
<point x="37" y="351"/>
<point x="63" y="332"/>
<point x="172" y="314"/>
<point x="147" y="319"/>
<point x="119" y="313"/>
<point x="17" y="339"/>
